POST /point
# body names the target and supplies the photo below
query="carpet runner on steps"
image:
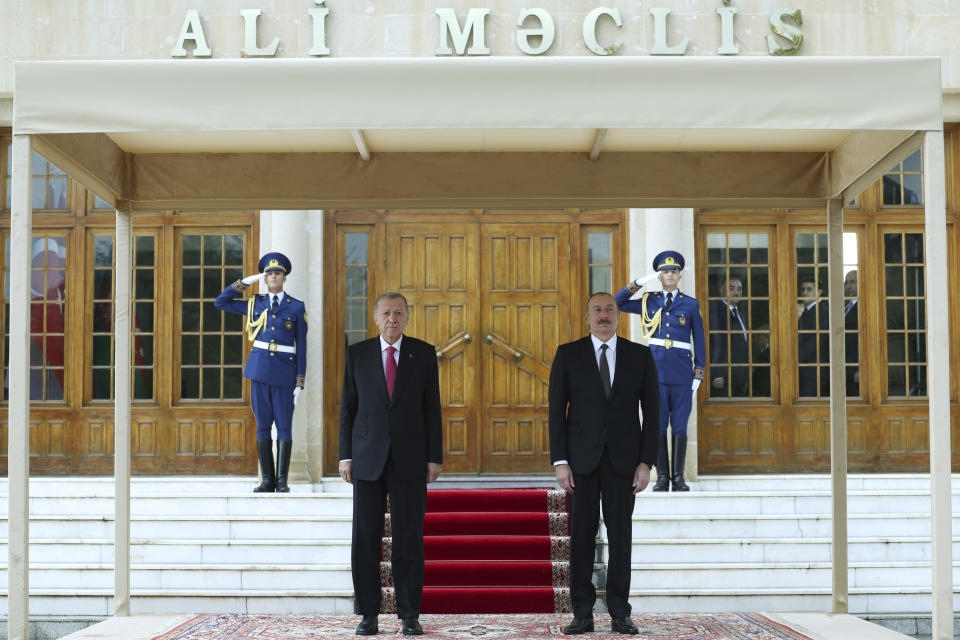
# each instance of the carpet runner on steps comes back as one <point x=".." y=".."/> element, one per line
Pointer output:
<point x="491" y="551"/>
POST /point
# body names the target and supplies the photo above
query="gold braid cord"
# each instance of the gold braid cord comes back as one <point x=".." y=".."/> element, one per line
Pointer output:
<point x="254" y="326"/>
<point x="648" y="324"/>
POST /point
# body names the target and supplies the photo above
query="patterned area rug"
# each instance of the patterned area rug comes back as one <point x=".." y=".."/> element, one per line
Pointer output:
<point x="705" y="626"/>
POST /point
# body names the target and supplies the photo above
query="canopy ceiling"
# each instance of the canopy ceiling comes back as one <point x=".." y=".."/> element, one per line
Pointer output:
<point x="493" y="131"/>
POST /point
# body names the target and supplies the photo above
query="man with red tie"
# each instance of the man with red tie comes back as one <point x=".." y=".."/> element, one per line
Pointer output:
<point x="390" y="445"/>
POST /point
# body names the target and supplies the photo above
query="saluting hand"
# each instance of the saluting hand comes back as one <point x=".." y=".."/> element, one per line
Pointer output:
<point x="254" y="278"/>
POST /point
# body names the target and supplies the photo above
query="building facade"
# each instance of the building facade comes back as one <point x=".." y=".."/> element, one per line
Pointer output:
<point x="495" y="290"/>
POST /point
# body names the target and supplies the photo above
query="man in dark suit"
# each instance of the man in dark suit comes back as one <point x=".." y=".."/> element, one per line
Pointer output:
<point x="727" y="321"/>
<point x="602" y="451"/>
<point x="814" y="326"/>
<point x="851" y="325"/>
<point x="390" y="444"/>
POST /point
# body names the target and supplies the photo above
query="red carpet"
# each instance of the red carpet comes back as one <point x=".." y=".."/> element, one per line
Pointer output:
<point x="491" y="551"/>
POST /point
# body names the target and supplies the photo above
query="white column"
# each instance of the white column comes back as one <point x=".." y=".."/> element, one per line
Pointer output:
<point x="653" y="231"/>
<point x="838" y="406"/>
<point x="938" y="380"/>
<point x="18" y="447"/>
<point x="121" y="417"/>
<point x="286" y="232"/>
<point x="313" y="413"/>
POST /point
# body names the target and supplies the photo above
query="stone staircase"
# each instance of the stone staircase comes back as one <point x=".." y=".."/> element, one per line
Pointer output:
<point x="759" y="543"/>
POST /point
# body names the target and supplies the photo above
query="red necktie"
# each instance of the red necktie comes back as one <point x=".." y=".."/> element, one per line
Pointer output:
<point x="391" y="370"/>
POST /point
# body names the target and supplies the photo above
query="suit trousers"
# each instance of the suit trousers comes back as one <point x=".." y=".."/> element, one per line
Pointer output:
<point x="676" y="401"/>
<point x="272" y="404"/>
<point x="603" y="486"/>
<point x="408" y="504"/>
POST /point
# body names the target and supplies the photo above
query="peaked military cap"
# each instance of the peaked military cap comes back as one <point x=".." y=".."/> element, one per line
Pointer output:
<point x="668" y="260"/>
<point x="273" y="261"/>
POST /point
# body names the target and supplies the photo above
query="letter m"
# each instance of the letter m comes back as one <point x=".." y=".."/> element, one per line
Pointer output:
<point x="450" y="29"/>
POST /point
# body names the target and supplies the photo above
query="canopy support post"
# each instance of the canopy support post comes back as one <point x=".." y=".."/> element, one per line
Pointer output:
<point x="121" y="419"/>
<point x="18" y="447"/>
<point x="838" y="407"/>
<point x="938" y="381"/>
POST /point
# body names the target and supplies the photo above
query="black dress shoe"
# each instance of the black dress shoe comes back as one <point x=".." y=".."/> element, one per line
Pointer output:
<point x="411" y="627"/>
<point x="624" y="625"/>
<point x="367" y="626"/>
<point x="578" y="626"/>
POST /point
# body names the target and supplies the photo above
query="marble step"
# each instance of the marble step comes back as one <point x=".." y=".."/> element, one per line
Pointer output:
<point x="708" y="552"/>
<point x="216" y="577"/>
<point x="99" y="602"/>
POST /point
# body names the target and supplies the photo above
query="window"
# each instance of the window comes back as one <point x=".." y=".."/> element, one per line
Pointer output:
<point x="851" y="313"/>
<point x="903" y="184"/>
<point x="211" y="342"/>
<point x="50" y="184"/>
<point x="356" y="296"/>
<point x="813" y="320"/>
<point x="738" y="274"/>
<point x="903" y="269"/>
<point x="600" y="262"/>
<point x="48" y="301"/>
<point x="102" y="297"/>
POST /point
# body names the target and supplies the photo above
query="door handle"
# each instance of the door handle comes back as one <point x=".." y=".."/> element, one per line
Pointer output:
<point x="463" y="338"/>
<point x="497" y="342"/>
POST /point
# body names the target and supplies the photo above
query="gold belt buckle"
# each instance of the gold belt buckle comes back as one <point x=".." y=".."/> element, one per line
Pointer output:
<point x="273" y="346"/>
<point x="668" y="344"/>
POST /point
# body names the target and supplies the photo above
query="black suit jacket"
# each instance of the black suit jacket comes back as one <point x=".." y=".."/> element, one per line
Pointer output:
<point x="582" y="420"/>
<point x="371" y="425"/>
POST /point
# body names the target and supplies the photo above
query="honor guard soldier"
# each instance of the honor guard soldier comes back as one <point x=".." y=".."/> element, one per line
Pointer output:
<point x="672" y="323"/>
<point x="277" y="327"/>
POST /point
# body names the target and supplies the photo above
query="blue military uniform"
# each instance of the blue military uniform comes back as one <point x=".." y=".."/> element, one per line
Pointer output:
<point x="676" y="339"/>
<point x="278" y="360"/>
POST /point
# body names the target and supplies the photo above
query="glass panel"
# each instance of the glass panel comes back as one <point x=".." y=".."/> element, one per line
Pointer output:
<point x="102" y="385"/>
<point x="212" y="286"/>
<point x="233" y="250"/>
<point x="737" y="248"/>
<point x="102" y="316"/>
<point x="915" y="281"/>
<point x="895" y="314"/>
<point x="211" y="317"/>
<point x="212" y="250"/>
<point x="144" y="254"/>
<point x="759" y="282"/>
<point x="57" y="194"/>
<point x="103" y="251"/>
<point x="54" y="387"/>
<point x="761" y="381"/>
<point x="190" y="350"/>
<point x="355" y="248"/>
<point x="894" y="280"/>
<point x="103" y="284"/>
<point x="232" y="382"/>
<point x="905" y="318"/>
<point x="918" y="381"/>
<point x="913" y="189"/>
<point x="143" y="384"/>
<point x="144" y="318"/>
<point x="211" y="383"/>
<point x="211" y="349"/>
<point x="913" y="161"/>
<point x="813" y="323"/>
<point x="356" y="314"/>
<point x="231" y="275"/>
<point x="891" y="190"/>
<point x="232" y="349"/>
<point x="143" y="281"/>
<point x="758" y="248"/>
<point x="100" y="203"/>
<point x="917" y="348"/>
<point x="143" y="351"/>
<point x="355" y="280"/>
<point x="39" y="197"/>
<point x="102" y="351"/>
<point x="232" y="322"/>
<point x="914" y="246"/>
<point x="191" y="250"/>
<point x="190" y="383"/>
<point x="916" y="319"/>
<point x="892" y="248"/>
<point x="600" y="279"/>
<point x="896" y="351"/>
<point x="191" y="283"/>
<point x="599" y="251"/>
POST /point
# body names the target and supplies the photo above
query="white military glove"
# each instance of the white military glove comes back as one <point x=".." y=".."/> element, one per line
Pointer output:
<point x="254" y="278"/>
<point x="296" y="392"/>
<point x="645" y="279"/>
<point x="696" y="385"/>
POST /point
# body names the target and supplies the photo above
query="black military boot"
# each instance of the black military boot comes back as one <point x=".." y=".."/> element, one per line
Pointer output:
<point x="265" y="455"/>
<point x="663" y="466"/>
<point x="283" y="464"/>
<point x="679" y="458"/>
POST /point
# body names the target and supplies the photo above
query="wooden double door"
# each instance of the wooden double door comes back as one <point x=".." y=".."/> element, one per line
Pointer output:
<point x="495" y="297"/>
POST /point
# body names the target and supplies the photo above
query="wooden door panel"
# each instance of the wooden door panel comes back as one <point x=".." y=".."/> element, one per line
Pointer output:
<point x="431" y="265"/>
<point x="526" y="281"/>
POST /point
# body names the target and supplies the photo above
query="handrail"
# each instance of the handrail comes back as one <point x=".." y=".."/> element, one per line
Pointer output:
<point x="494" y="340"/>
<point x="463" y="338"/>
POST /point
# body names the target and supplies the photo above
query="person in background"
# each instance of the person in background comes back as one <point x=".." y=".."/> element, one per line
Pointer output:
<point x="277" y="364"/>
<point x="672" y="324"/>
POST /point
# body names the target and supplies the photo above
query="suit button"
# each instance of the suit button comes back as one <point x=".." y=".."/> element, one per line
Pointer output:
<point x="603" y="432"/>
<point x="273" y="328"/>
<point x="668" y="335"/>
